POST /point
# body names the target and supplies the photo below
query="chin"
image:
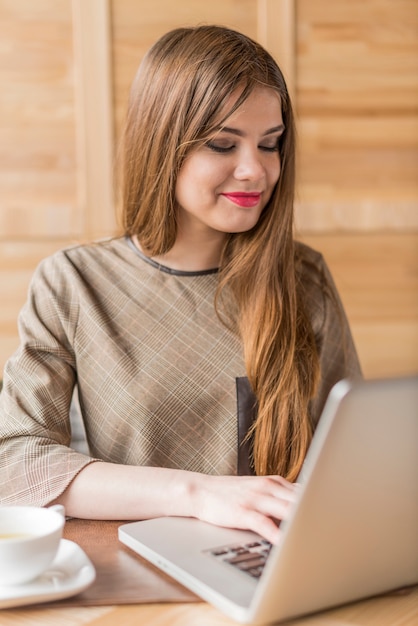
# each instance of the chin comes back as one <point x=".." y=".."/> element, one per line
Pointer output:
<point x="244" y="228"/>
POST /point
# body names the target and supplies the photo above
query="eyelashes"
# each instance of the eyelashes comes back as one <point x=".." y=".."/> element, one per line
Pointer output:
<point x="226" y="149"/>
<point x="221" y="149"/>
<point x="274" y="148"/>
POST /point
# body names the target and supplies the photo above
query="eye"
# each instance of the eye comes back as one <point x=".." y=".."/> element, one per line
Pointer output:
<point x="221" y="148"/>
<point x="270" y="148"/>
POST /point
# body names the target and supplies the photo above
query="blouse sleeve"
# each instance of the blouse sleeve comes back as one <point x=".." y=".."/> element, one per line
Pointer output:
<point x="36" y="462"/>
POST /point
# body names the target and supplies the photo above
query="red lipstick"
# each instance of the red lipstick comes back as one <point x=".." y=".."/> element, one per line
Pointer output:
<point x="244" y="199"/>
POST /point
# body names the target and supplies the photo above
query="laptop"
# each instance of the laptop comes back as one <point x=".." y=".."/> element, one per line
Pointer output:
<point x="352" y="533"/>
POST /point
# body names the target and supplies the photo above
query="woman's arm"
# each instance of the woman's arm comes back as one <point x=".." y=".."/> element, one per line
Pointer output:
<point x="123" y="492"/>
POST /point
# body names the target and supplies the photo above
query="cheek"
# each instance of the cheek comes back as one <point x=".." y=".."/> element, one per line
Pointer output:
<point x="184" y="184"/>
<point x="198" y="178"/>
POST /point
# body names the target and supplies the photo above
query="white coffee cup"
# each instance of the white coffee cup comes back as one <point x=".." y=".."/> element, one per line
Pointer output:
<point x="29" y="541"/>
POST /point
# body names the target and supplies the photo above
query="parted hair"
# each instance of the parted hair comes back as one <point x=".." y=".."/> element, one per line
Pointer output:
<point x="180" y="96"/>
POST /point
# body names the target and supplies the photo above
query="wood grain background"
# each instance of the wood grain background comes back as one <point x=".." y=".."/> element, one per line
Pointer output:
<point x="352" y="67"/>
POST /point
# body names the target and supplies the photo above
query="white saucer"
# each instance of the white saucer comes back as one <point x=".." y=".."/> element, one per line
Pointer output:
<point x="69" y="573"/>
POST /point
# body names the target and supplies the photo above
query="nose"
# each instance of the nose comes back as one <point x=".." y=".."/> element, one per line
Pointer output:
<point x="249" y="166"/>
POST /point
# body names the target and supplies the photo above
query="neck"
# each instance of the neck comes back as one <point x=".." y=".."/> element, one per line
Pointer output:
<point x="191" y="256"/>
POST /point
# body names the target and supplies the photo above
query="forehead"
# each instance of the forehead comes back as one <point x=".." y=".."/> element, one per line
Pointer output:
<point x="262" y="106"/>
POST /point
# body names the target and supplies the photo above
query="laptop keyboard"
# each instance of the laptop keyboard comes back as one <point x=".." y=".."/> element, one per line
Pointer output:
<point x="247" y="557"/>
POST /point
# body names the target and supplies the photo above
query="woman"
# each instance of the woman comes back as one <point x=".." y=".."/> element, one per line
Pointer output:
<point x="205" y="341"/>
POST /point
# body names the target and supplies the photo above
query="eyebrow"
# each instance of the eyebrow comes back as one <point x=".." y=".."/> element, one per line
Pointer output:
<point x="239" y="133"/>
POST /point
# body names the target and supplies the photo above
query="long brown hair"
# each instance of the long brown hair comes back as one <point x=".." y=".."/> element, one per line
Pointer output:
<point x="181" y="89"/>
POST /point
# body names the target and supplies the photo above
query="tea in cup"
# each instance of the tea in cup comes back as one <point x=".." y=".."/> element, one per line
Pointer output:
<point x="29" y="541"/>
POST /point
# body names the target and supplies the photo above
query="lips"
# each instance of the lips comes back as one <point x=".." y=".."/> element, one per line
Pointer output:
<point x="244" y="199"/>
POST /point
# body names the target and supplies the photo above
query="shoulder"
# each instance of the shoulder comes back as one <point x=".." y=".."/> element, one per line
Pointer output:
<point x="85" y="257"/>
<point x="310" y="265"/>
<point x="109" y="248"/>
<point x="76" y="273"/>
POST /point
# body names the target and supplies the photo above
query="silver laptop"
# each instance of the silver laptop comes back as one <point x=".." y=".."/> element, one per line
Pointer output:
<point x="353" y="533"/>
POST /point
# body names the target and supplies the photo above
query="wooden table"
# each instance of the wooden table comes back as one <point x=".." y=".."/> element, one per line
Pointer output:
<point x="129" y="591"/>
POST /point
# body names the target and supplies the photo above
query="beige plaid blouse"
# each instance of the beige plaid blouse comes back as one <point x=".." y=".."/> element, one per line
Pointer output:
<point x="161" y="381"/>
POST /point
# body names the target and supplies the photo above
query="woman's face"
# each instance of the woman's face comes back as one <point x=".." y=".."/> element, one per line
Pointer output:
<point x="224" y="185"/>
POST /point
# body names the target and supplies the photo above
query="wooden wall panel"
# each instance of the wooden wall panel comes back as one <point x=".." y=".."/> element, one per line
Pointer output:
<point x="377" y="277"/>
<point x="276" y="31"/>
<point x="357" y="102"/>
<point x="94" y="126"/>
<point x="37" y="160"/>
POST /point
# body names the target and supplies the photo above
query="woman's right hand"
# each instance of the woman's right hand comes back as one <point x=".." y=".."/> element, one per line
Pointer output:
<point x="254" y="503"/>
